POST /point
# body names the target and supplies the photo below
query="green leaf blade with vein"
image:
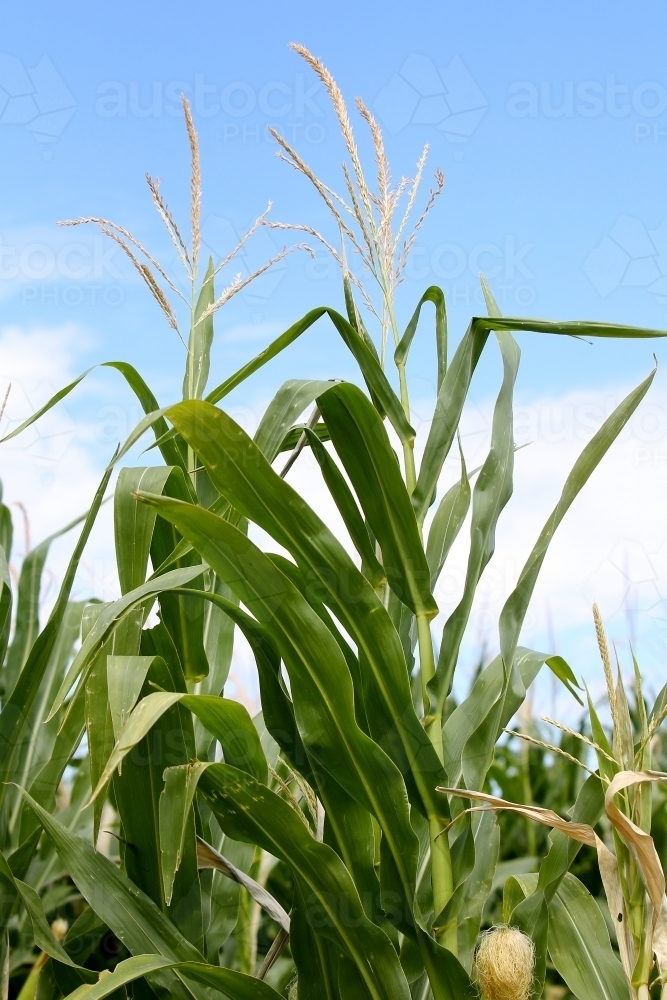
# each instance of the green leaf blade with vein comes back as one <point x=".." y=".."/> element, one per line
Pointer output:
<point x="200" y="341"/>
<point x="366" y="358"/>
<point x="321" y="682"/>
<point x="492" y="492"/>
<point x="131" y="915"/>
<point x="250" y="811"/>
<point x="16" y="707"/>
<point x="514" y="611"/>
<point x="241" y="473"/>
<point x="360" y="439"/>
<point x="234" y="985"/>
<point x="108" y="622"/>
<point x="284" y="409"/>
<point x="436" y="296"/>
<point x="348" y="510"/>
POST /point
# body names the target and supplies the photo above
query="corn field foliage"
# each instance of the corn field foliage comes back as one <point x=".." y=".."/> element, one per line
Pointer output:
<point x="354" y="838"/>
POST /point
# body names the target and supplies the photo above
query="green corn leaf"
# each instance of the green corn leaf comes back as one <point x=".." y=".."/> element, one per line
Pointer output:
<point x="218" y="641"/>
<point x="249" y="811"/>
<point x="133" y="525"/>
<point x="36" y="749"/>
<point x="588" y="807"/>
<point x="27" y="611"/>
<point x="360" y="439"/>
<point x="228" y="721"/>
<point x="99" y="728"/>
<point x="278" y="710"/>
<point x="490" y="495"/>
<point x="365" y="357"/>
<point x="472" y="885"/>
<point x="321" y="683"/>
<point x="130" y="914"/>
<point x="149" y="710"/>
<point x="287" y="567"/>
<point x="99" y="723"/>
<point x="176" y="798"/>
<point x="16" y="708"/>
<point x="277" y="707"/>
<point x="81" y="940"/>
<point x="348" y="510"/>
<point x="354" y="315"/>
<point x="315" y="957"/>
<point x="84" y="935"/>
<point x="125" y="679"/>
<point x="454" y="388"/>
<point x="348" y="829"/>
<point x="182" y="614"/>
<point x="284" y="409"/>
<point x="446" y="416"/>
<point x="200" y="341"/>
<point x="514" y="611"/>
<point x="659" y="706"/>
<point x="109" y="619"/>
<point x="622" y="737"/>
<point x="5" y="604"/>
<point x="579" y="945"/>
<point x="167" y="740"/>
<point x="324" y="704"/>
<point x="46" y="783"/>
<point x="303" y="646"/>
<point x="477" y="887"/>
<point x="434" y="295"/>
<point x="43" y="934"/>
<point x="292" y="437"/>
<point x="607" y="767"/>
<point x="465" y="740"/>
<point x="170" y="449"/>
<point x="6" y="527"/>
<point x="234" y="985"/>
<point x="578" y="940"/>
<point x="447" y="523"/>
<point x="532" y="913"/>
<point x="561" y="669"/>
<point x="569" y="328"/>
<point x="242" y="474"/>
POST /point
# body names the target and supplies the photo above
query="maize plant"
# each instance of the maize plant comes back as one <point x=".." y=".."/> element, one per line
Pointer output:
<point x="337" y="780"/>
<point x="553" y="905"/>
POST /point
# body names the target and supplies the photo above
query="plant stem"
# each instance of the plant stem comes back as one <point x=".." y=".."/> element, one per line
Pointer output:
<point x="188" y="392"/>
<point x="528" y="797"/>
<point x="246" y="926"/>
<point x="426" y="666"/>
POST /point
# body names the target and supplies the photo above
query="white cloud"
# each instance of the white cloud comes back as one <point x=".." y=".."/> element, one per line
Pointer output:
<point x="47" y="469"/>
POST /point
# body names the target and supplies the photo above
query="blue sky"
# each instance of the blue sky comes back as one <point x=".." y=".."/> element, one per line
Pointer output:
<point x="549" y="122"/>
